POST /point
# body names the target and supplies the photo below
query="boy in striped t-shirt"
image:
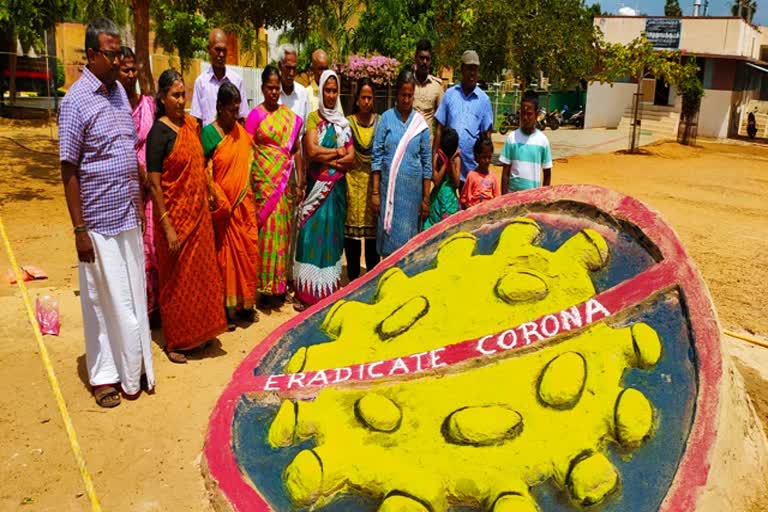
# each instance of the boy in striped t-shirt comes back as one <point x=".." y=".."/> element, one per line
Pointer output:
<point x="526" y="156"/>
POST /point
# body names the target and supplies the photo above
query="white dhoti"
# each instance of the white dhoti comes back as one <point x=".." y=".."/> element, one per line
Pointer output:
<point x="113" y="296"/>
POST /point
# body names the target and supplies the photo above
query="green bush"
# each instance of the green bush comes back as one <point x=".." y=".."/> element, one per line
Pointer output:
<point x="692" y="90"/>
<point x="60" y="76"/>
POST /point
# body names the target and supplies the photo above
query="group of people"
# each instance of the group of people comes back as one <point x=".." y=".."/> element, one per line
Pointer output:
<point x="200" y="218"/>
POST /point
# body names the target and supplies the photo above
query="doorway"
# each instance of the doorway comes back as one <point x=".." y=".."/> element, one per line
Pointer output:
<point x="661" y="95"/>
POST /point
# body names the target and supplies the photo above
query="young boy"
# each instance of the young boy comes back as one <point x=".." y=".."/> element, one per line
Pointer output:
<point x="526" y="156"/>
<point x="481" y="185"/>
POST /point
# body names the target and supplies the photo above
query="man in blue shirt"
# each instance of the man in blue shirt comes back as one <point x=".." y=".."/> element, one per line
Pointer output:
<point x="466" y="109"/>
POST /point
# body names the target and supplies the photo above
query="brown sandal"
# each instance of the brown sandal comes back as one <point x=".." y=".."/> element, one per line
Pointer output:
<point x="106" y="396"/>
<point x="177" y="357"/>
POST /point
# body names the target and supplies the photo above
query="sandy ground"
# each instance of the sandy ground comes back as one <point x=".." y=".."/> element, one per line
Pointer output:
<point x="144" y="456"/>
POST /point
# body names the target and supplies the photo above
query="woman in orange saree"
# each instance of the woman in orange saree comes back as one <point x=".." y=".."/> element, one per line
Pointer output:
<point x="191" y="290"/>
<point x="228" y="147"/>
<point x="275" y="129"/>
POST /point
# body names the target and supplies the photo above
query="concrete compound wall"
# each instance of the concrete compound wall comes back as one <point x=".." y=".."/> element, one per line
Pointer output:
<point x="606" y="104"/>
<point x="715" y="114"/>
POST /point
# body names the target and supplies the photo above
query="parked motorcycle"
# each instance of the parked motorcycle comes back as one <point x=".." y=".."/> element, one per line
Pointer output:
<point x="751" y="125"/>
<point x="554" y="119"/>
<point x="576" y="119"/>
<point x="547" y="120"/>
<point x="509" y="121"/>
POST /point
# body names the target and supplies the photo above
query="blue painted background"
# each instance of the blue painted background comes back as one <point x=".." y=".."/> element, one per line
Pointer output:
<point x="670" y="386"/>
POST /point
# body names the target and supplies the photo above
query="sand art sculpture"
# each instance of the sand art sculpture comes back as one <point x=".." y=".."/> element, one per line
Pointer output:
<point x="550" y="351"/>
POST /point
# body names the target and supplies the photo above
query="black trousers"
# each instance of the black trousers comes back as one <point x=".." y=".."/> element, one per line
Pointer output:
<point x="352" y="249"/>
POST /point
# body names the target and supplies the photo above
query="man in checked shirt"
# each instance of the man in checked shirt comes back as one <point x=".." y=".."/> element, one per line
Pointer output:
<point x="101" y="184"/>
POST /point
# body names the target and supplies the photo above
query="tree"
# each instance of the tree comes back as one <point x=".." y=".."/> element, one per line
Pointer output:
<point x="672" y="8"/>
<point x="638" y="59"/>
<point x="115" y="10"/>
<point x="744" y="9"/>
<point x="329" y="27"/>
<point x="692" y="90"/>
<point x="246" y="17"/>
<point x="463" y="23"/>
<point x="179" y="27"/>
<point x="140" y="10"/>
<point x="555" y="37"/>
<point x="183" y="25"/>
<point x="563" y="46"/>
<point x="27" y="21"/>
<point x="393" y="27"/>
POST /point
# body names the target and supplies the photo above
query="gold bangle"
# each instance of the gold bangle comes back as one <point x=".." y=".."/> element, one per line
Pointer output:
<point x="162" y="217"/>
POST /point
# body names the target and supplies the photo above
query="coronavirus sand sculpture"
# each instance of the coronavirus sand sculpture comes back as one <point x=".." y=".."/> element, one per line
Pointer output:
<point x="551" y="350"/>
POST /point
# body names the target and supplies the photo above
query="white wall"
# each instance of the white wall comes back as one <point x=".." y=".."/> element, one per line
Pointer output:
<point x="714" y="114"/>
<point x="606" y="104"/>
<point x="720" y="36"/>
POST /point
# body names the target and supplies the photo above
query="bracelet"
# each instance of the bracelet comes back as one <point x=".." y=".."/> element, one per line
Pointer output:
<point x="162" y="217"/>
<point x="80" y="228"/>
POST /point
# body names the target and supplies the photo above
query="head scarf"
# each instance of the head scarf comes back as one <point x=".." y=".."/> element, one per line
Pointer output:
<point x="333" y="115"/>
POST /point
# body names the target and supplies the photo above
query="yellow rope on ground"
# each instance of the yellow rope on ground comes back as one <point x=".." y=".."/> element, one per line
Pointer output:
<point x="747" y="338"/>
<point x="52" y="380"/>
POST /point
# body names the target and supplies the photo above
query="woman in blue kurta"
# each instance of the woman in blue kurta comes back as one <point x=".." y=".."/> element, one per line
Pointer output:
<point x="402" y="170"/>
<point x="320" y="240"/>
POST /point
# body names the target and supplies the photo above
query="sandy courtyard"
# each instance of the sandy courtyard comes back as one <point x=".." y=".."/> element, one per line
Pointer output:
<point x="144" y="455"/>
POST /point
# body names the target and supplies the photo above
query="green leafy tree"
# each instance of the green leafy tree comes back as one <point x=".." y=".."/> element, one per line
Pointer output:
<point x="180" y="28"/>
<point x="638" y="59"/>
<point x="672" y="8"/>
<point x="744" y="9"/>
<point x="26" y="21"/>
<point x="115" y="10"/>
<point x="330" y="27"/>
<point x="692" y="90"/>
<point x="245" y="17"/>
<point x="555" y="37"/>
<point x="393" y="27"/>
<point x="467" y="26"/>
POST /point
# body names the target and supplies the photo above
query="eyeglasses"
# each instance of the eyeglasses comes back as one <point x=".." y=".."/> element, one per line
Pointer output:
<point x="110" y="55"/>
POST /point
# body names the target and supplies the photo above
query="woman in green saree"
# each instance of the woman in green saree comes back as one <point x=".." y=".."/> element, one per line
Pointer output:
<point x="328" y="148"/>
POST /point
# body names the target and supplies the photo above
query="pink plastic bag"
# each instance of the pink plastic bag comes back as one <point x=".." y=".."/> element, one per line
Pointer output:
<point x="47" y="314"/>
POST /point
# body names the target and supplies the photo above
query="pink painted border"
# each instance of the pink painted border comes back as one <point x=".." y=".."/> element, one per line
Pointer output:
<point x="693" y="470"/>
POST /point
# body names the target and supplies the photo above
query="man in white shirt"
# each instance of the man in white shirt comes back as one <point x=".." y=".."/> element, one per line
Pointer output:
<point x="318" y="64"/>
<point x="207" y="84"/>
<point x="293" y="95"/>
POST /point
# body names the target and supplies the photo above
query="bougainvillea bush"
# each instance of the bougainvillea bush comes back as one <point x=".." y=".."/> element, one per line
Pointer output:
<point x="381" y="70"/>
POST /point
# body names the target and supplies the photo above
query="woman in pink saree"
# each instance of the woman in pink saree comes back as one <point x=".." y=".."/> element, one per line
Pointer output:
<point x="143" y="106"/>
<point x="275" y="130"/>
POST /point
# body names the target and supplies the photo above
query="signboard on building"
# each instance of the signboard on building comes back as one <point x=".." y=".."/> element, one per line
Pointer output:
<point x="663" y="33"/>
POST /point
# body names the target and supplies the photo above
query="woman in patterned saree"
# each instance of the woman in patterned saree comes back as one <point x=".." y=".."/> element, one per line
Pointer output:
<point x="360" y="228"/>
<point x="191" y="290"/>
<point x="275" y="130"/>
<point x="228" y="147"/>
<point x="143" y="113"/>
<point x="320" y="242"/>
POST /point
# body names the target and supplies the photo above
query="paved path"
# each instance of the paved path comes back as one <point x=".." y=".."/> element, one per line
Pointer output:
<point x="567" y="142"/>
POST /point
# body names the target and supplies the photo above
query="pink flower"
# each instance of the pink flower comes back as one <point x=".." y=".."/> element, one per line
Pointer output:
<point x="381" y="70"/>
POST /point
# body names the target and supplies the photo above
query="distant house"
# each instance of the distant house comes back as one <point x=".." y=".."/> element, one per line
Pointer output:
<point x="729" y="52"/>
